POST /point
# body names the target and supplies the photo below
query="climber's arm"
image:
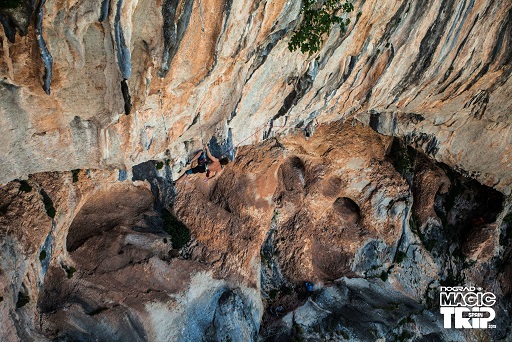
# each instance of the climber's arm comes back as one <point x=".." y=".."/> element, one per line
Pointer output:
<point x="212" y="158"/>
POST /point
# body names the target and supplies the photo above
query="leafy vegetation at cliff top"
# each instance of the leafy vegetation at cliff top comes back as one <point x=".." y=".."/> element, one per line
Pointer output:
<point x="319" y="16"/>
<point x="180" y="234"/>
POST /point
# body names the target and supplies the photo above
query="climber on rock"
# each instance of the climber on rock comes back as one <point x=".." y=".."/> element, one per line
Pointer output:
<point x="211" y="165"/>
<point x="309" y="286"/>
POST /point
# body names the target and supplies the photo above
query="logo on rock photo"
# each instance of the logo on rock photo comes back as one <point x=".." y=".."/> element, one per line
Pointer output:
<point x="467" y="307"/>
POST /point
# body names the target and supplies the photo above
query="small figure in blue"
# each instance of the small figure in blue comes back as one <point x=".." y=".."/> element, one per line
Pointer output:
<point x="309" y="286"/>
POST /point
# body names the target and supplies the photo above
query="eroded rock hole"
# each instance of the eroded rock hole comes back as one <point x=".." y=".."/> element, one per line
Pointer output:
<point x="348" y="210"/>
<point x="468" y="211"/>
<point x="119" y="206"/>
<point x="464" y="208"/>
<point x="292" y="181"/>
<point x="23" y="297"/>
<point x="293" y="174"/>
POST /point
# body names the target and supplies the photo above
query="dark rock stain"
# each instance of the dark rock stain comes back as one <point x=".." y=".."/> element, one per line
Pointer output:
<point x="479" y="104"/>
<point x="227" y="12"/>
<point x="9" y="27"/>
<point x="503" y="42"/>
<point x="173" y="30"/>
<point x="194" y="121"/>
<point x="302" y="86"/>
<point x="17" y="18"/>
<point x="427" y="142"/>
<point x="428" y="44"/>
<point x="105" y="10"/>
<point x="123" y="53"/>
<point x="45" y="53"/>
<point x="263" y="52"/>
<point x="394" y="22"/>
<point x="126" y="96"/>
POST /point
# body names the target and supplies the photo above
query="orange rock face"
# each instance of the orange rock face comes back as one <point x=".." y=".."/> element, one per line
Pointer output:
<point x="224" y="66"/>
<point x="190" y="258"/>
<point x="103" y="102"/>
<point x="324" y="209"/>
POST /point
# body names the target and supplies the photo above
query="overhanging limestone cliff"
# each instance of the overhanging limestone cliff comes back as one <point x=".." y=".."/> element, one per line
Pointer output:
<point x="437" y="69"/>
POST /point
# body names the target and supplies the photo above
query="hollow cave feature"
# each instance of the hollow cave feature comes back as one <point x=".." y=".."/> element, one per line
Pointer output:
<point x="116" y="234"/>
<point x="337" y="211"/>
<point x="462" y="207"/>
<point x="454" y="216"/>
<point x="468" y="212"/>
<point x="347" y="209"/>
<point x="107" y="211"/>
<point x="292" y="179"/>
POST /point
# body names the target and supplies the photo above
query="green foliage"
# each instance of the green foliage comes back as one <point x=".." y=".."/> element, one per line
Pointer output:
<point x="404" y="158"/>
<point x="318" y="19"/>
<point x="273" y="293"/>
<point x="159" y="165"/>
<point x="180" y="234"/>
<point x="400" y="256"/>
<point x="508" y="219"/>
<point x="297" y="332"/>
<point x="281" y="292"/>
<point x="70" y="270"/>
<point x="384" y="276"/>
<point x="265" y="259"/>
<point x="429" y="244"/>
<point x="42" y="255"/>
<point x="9" y="3"/>
<point x="275" y="215"/>
<point x="405" y="320"/>
<point x="23" y="299"/>
<point x="405" y="336"/>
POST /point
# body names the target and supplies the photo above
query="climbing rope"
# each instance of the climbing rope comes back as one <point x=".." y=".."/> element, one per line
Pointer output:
<point x="280" y="127"/>
<point x="201" y="131"/>
<point x="259" y="129"/>
<point x="236" y="146"/>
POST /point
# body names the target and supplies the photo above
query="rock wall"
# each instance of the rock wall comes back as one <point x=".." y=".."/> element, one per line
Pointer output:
<point x="434" y="72"/>
<point x="381" y="170"/>
<point x="375" y="225"/>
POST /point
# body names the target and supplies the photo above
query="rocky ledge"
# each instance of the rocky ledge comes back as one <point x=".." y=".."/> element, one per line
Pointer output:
<point x="375" y="225"/>
<point x="377" y="169"/>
